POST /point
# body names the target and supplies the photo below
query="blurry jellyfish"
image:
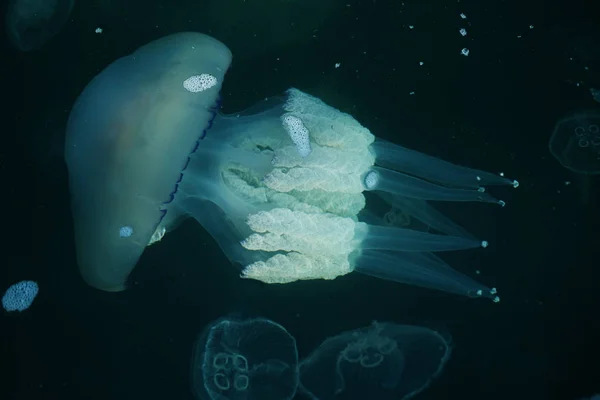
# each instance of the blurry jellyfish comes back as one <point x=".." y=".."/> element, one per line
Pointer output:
<point x="20" y="296"/>
<point x="382" y="361"/>
<point x="31" y="23"/>
<point x="575" y="143"/>
<point x="245" y="359"/>
<point x="396" y="217"/>
<point x="595" y="94"/>
<point x="279" y="186"/>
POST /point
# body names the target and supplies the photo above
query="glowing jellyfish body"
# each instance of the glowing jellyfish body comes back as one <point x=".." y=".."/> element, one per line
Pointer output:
<point x="249" y="359"/>
<point x="281" y="186"/>
<point x="129" y="138"/>
<point x="382" y="361"/>
<point x="575" y="142"/>
<point x="31" y="23"/>
<point x="20" y="296"/>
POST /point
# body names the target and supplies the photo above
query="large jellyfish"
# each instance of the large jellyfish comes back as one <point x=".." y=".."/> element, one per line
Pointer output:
<point x="382" y="361"/>
<point x="31" y="23"/>
<point x="279" y="186"/>
<point x="245" y="359"/>
<point x="575" y="143"/>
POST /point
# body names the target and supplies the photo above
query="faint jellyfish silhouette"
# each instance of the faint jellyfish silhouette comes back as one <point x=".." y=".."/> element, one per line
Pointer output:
<point x="31" y="23"/>
<point x="575" y="143"/>
<point x="245" y="359"/>
<point x="594" y="397"/>
<point x="382" y="361"/>
<point x="396" y="217"/>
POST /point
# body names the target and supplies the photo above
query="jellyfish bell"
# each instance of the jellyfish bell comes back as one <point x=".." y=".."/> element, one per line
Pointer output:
<point x="382" y="361"/>
<point x="261" y="361"/>
<point x="129" y="137"/>
<point x="31" y="23"/>
<point x="575" y="143"/>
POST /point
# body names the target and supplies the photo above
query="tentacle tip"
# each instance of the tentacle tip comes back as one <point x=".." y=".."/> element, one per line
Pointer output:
<point x="515" y="183"/>
<point x="484" y="243"/>
<point x="502" y="203"/>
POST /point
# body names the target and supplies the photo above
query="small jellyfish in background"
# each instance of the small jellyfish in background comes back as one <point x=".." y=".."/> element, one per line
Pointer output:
<point x="20" y="296"/>
<point x="382" y="361"/>
<point x="595" y="94"/>
<point x="245" y="359"/>
<point x="31" y="23"/>
<point x="594" y="397"/>
<point x="396" y="217"/>
<point x="575" y="143"/>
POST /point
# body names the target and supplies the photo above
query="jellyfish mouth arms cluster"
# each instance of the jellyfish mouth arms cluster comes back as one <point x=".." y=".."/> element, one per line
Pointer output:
<point x="315" y="192"/>
<point x="308" y="223"/>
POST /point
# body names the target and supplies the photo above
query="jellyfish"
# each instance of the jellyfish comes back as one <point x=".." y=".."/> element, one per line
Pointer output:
<point x="243" y="359"/>
<point x="20" y="296"/>
<point x="280" y="186"/>
<point x="381" y="361"/>
<point x="31" y="23"/>
<point x="575" y="143"/>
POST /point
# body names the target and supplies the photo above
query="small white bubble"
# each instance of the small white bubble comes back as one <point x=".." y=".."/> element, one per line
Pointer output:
<point x="337" y="65"/>
<point x="98" y="30"/>
<point x="463" y="16"/>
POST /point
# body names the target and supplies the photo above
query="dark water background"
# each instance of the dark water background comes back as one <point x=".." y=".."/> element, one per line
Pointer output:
<point x="493" y="110"/>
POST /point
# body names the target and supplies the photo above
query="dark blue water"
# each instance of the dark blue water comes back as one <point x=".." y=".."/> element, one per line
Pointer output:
<point x="494" y="110"/>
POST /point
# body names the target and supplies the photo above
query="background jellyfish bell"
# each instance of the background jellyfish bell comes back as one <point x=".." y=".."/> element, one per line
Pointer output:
<point x="250" y="358"/>
<point x="575" y="143"/>
<point x="31" y="23"/>
<point x="364" y="363"/>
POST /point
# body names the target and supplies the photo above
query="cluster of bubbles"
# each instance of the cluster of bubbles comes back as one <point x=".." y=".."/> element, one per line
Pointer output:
<point x="258" y="359"/>
<point x="20" y="296"/>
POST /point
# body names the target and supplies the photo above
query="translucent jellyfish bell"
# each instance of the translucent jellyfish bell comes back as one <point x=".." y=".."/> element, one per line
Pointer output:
<point x="249" y="359"/>
<point x="382" y="361"/>
<point x="31" y="23"/>
<point x="575" y="142"/>
<point x="129" y="137"/>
